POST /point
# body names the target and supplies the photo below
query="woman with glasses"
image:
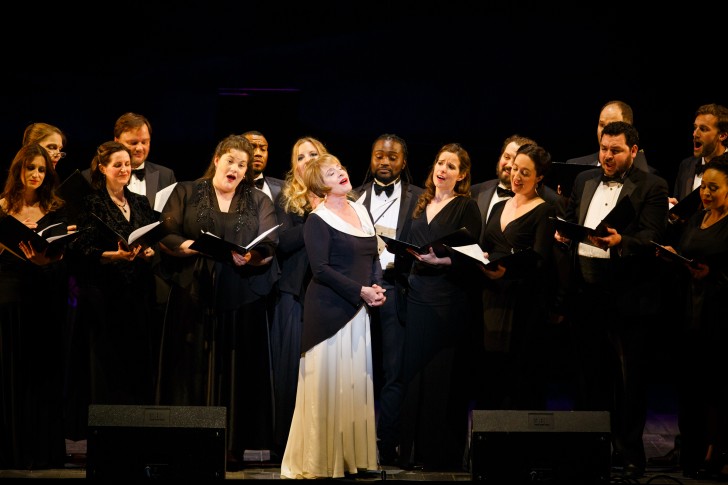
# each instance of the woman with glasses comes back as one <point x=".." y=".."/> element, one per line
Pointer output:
<point x="49" y="137"/>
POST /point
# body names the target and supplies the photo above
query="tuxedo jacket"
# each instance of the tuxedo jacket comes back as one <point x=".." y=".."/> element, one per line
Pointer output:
<point x="275" y="185"/>
<point x="685" y="177"/>
<point x="410" y="194"/>
<point x="633" y="264"/>
<point x="640" y="161"/>
<point x="156" y="177"/>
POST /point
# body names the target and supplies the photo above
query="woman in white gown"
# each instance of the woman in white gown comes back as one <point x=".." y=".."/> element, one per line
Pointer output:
<point x="333" y="431"/>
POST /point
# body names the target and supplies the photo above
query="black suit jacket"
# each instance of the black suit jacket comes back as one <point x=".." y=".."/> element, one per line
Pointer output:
<point x="156" y="178"/>
<point x="640" y="161"/>
<point x="685" y="177"/>
<point x="275" y="185"/>
<point x="633" y="264"/>
<point x="410" y="194"/>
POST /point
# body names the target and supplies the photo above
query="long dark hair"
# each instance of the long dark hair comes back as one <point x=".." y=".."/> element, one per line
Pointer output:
<point x="14" y="191"/>
<point x="462" y="187"/>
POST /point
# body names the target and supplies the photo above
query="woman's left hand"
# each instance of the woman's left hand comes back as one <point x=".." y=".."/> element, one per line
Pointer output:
<point x="430" y="258"/>
<point x="699" y="270"/>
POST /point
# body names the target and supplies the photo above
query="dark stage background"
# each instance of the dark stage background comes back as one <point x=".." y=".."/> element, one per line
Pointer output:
<point x="346" y="72"/>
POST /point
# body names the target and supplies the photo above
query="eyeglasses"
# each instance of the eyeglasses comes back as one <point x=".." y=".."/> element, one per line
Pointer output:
<point x="55" y="153"/>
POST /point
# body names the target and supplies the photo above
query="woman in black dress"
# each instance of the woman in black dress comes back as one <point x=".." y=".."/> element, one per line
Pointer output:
<point x="703" y="398"/>
<point x="116" y="284"/>
<point x="32" y="310"/>
<point x="513" y="329"/>
<point x="434" y="415"/>
<point x="215" y="346"/>
<point x="293" y="205"/>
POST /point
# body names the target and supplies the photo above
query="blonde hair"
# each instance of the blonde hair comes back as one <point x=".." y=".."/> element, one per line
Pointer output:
<point x="294" y="196"/>
<point x="313" y="175"/>
<point x="37" y="132"/>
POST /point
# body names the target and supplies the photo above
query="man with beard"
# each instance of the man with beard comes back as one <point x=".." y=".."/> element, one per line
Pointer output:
<point x="490" y="192"/>
<point x="710" y="131"/>
<point x="614" y="294"/>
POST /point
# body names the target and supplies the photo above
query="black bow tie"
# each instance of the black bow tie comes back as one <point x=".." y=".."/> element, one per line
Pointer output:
<point x="387" y="189"/>
<point x="139" y="173"/>
<point x="503" y="192"/>
<point x="611" y="178"/>
<point x="259" y="183"/>
<point x="700" y="168"/>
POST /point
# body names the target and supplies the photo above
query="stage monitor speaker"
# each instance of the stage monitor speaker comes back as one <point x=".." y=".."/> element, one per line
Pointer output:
<point x="139" y="443"/>
<point x="564" y="447"/>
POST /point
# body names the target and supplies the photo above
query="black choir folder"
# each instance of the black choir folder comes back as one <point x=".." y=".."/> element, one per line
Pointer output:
<point x="674" y="257"/>
<point x="685" y="208"/>
<point x="561" y="176"/>
<point x="145" y="236"/>
<point x="717" y="261"/>
<point x="219" y="249"/>
<point x="618" y="218"/>
<point x="52" y="239"/>
<point x="73" y="190"/>
<point x="461" y="237"/>
<point x="521" y="261"/>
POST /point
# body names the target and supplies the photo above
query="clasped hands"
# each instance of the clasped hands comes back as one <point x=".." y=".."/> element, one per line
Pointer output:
<point x="373" y="295"/>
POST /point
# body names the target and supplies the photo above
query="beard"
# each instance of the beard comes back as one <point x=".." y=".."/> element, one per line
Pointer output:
<point x="505" y="179"/>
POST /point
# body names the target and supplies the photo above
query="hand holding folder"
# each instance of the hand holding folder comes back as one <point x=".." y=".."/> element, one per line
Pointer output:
<point x="51" y="240"/>
<point x="618" y="218"/>
<point x="220" y="249"/>
<point x="673" y="256"/>
<point x="461" y="237"/>
<point x="685" y="208"/>
<point x="517" y="263"/>
<point x="144" y="236"/>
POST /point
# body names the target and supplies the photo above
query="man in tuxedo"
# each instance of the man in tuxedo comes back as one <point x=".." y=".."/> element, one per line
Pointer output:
<point x="269" y="185"/>
<point x="492" y="191"/>
<point x="390" y="197"/>
<point x="135" y="132"/>
<point x="710" y="132"/>
<point x="614" y="111"/>
<point x="614" y="295"/>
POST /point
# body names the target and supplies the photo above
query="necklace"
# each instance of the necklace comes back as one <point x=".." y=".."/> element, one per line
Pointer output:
<point x="120" y="206"/>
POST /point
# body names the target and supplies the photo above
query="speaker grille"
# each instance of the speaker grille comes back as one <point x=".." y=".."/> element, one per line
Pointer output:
<point x="541" y="421"/>
<point x="157" y="416"/>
